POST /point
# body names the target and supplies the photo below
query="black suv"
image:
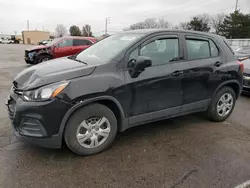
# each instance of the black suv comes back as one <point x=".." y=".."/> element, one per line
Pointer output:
<point x="125" y="80"/>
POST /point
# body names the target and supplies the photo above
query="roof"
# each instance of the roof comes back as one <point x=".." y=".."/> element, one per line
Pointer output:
<point x="151" y="31"/>
<point x="78" y="37"/>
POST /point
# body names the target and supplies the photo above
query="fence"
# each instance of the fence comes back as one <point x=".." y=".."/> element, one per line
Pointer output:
<point x="239" y="42"/>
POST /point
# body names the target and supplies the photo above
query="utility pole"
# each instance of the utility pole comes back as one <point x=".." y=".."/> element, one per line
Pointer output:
<point x="236" y="5"/>
<point x="28" y="25"/>
<point x="107" y="21"/>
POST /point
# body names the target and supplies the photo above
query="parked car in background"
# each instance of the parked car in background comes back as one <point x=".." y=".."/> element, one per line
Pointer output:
<point x="246" y="77"/>
<point x="242" y="53"/>
<point x="125" y="80"/>
<point x="44" y="42"/>
<point x="234" y="48"/>
<point x="59" y="47"/>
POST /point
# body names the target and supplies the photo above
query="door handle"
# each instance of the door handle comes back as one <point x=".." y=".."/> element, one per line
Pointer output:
<point x="177" y="73"/>
<point x="218" y="63"/>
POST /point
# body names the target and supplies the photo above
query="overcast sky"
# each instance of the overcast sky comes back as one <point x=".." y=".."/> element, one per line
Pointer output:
<point x="46" y="14"/>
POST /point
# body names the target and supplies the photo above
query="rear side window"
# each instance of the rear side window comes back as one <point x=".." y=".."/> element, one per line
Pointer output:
<point x="197" y="49"/>
<point x="81" y="42"/>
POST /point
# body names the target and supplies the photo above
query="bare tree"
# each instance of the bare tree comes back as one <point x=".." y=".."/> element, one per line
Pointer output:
<point x="149" y="23"/>
<point x="216" y="22"/>
<point x="163" y="23"/>
<point x="86" y="31"/>
<point x="183" y="25"/>
<point x="60" y="30"/>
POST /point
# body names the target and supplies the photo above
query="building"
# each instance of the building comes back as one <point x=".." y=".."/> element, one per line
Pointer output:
<point x="33" y="37"/>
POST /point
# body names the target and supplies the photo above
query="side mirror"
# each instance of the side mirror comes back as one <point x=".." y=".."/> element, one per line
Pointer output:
<point x="136" y="67"/>
<point x="142" y="62"/>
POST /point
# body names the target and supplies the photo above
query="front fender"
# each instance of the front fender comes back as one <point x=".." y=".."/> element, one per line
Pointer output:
<point x="124" y="120"/>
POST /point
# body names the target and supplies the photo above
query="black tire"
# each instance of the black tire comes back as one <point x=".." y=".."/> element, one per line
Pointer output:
<point x="43" y="58"/>
<point x="92" y="110"/>
<point x="212" y="113"/>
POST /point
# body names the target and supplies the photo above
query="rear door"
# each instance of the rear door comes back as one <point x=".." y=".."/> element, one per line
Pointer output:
<point x="64" y="48"/>
<point x="80" y="44"/>
<point x="204" y="72"/>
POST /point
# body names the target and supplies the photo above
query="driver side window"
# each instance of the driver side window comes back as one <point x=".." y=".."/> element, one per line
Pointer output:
<point x="65" y="43"/>
<point x="160" y="51"/>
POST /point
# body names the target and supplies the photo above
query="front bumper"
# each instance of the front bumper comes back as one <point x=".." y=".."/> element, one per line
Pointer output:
<point x="246" y="84"/>
<point x="53" y="142"/>
<point x="37" y="122"/>
<point x="246" y="90"/>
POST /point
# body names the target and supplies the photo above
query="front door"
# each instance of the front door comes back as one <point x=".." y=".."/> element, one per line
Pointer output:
<point x="156" y="92"/>
<point x="64" y="48"/>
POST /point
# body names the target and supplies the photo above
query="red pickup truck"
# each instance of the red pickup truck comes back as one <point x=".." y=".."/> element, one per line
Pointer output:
<point x="59" y="47"/>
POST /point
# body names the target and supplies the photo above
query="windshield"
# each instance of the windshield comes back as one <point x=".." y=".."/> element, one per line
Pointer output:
<point x="107" y="49"/>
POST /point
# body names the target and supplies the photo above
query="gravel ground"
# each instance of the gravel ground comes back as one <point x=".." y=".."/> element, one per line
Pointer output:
<point x="184" y="152"/>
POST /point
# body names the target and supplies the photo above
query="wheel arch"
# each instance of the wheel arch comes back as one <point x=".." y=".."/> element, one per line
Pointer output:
<point x="44" y="54"/>
<point x="234" y="84"/>
<point x="112" y="103"/>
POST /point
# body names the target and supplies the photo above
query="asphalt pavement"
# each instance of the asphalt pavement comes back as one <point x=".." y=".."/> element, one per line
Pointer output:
<point x="184" y="152"/>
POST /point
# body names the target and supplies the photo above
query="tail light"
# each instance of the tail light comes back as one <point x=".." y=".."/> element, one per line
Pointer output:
<point x="241" y="66"/>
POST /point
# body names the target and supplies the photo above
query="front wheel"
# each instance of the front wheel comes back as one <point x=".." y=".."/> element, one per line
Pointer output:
<point x="222" y="105"/>
<point x="91" y="130"/>
<point x="43" y="58"/>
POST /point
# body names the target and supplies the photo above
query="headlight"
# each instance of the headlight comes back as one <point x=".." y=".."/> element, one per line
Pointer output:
<point x="246" y="77"/>
<point x="44" y="93"/>
<point x="31" y="55"/>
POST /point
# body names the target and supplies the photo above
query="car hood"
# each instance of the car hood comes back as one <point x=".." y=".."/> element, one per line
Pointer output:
<point x="246" y="66"/>
<point x="50" y="72"/>
<point x="37" y="47"/>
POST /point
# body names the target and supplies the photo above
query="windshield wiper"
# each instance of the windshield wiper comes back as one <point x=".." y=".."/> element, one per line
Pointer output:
<point x="78" y="60"/>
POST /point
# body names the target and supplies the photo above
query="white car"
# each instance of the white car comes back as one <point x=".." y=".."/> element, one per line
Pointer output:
<point x="6" y="41"/>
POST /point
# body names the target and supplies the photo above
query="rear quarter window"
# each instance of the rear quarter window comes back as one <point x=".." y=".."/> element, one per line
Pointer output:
<point x="228" y="46"/>
<point x="214" y="49"/>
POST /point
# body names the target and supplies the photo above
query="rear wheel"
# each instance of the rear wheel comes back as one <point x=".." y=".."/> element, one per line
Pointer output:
<point x="222" y="105"/>
<point x="91" y="130"/>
